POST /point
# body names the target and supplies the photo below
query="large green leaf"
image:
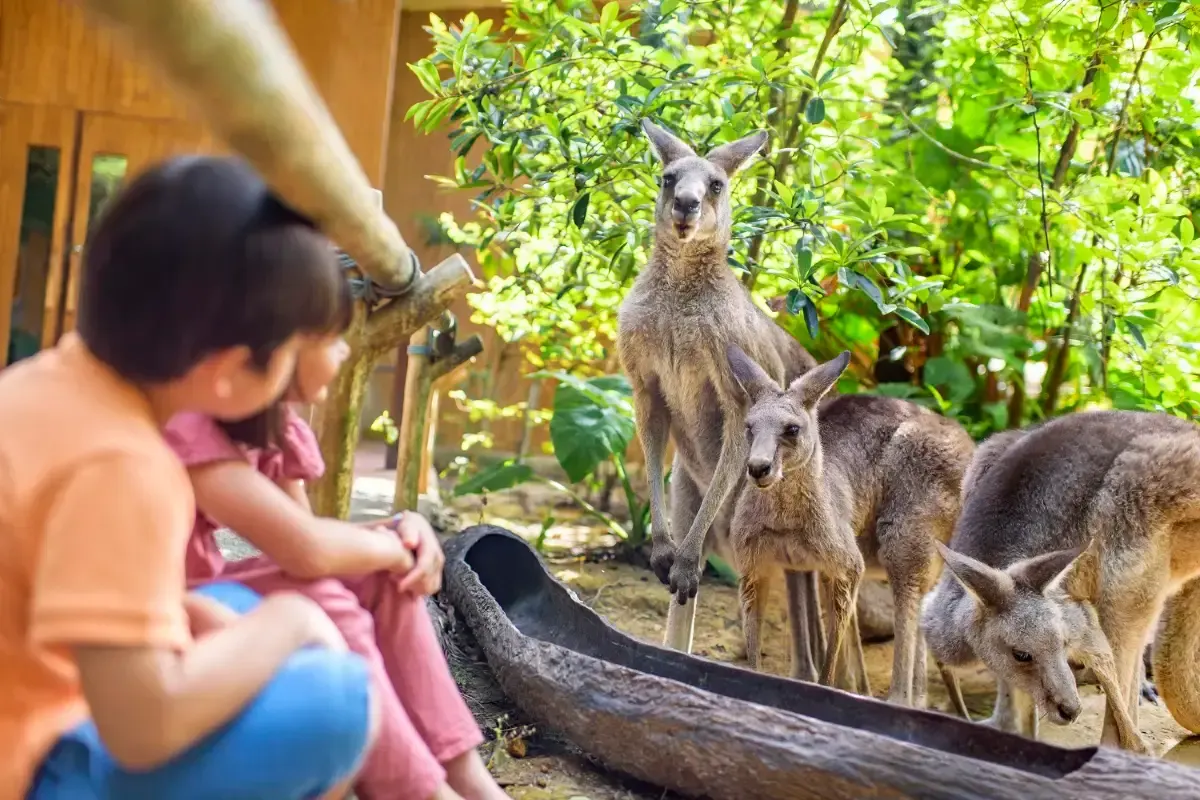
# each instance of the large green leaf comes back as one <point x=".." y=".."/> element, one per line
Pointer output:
<point x="593" y="420"/>
<point x="495" y="478"/>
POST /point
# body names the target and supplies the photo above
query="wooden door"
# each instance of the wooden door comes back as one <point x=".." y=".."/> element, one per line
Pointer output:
<point x="113" y="150"/>
<point x="37" y="147"/>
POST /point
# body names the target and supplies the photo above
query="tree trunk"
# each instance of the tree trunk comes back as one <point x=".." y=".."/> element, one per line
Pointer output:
<point x="337" y="432"/>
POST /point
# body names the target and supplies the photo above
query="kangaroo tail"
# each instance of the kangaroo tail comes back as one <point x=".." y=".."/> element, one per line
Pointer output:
<point x="1177" y="656"/>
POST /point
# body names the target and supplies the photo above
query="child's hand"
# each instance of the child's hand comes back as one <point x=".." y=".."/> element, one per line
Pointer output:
<point x="206" y="615"/>
<point x="416" y="534"/>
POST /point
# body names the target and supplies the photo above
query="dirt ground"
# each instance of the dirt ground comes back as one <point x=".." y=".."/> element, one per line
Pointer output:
<point x="632" y="600"/>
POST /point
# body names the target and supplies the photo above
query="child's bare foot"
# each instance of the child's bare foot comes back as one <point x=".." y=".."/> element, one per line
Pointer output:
<point x="444" y="792"/>
<point x="471" y="779"/>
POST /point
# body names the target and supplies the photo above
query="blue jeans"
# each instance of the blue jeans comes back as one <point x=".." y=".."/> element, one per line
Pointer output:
<point x="304" y="733"/>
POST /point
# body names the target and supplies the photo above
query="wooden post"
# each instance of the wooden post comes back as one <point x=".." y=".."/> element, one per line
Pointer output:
<point x="429" y="479"/>
<point x="417" y="385"/>
<point x="427" y="362"/>
<point x="397" y="404"/>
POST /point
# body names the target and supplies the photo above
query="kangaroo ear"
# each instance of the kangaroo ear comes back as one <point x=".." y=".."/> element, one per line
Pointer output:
<point x="990" y="587"/>
<point x="666" y="145"/>
<point x="1047" y="571"/>
<point x="731" y="157"/>
<point x="753" y="379"/>
<point x="810" y="387"/>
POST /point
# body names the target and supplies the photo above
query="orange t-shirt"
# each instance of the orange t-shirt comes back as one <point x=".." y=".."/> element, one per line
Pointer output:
<point x="95" y="513"/>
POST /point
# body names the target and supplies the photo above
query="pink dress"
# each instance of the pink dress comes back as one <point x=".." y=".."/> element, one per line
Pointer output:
<point x="424" y="721"/>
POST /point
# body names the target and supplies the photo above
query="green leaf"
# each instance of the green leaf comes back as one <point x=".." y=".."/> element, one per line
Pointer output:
<point x="912" y="318"/>
<point x="1187" y="231"/>
<point x="725" y="573"/>
<point x="800" y="303"/>
<point x="495" y="478"/>
<point x="608" y="15"/>
<point x="593" y="420"/>
<point x="1136" y="332"/>
<point x="427" y="74"/>
<point x="804" y="261"/>
<point x="580" y="209"/>
<point x="814" y="112"/>
<point x="1108" y="16"/>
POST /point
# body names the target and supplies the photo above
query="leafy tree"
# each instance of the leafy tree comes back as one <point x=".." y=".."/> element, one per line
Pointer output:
<point x="989" y="201"/>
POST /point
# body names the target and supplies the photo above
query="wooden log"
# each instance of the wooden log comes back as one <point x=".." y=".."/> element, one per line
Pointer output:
<point x="236" y="64"/>
<point x="424" y="368"/>
<point x="371" y="334"/>
<point x="714" y="730"/>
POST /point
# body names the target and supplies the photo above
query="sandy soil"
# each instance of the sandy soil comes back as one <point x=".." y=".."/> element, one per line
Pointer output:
<point x="633" y="601"/>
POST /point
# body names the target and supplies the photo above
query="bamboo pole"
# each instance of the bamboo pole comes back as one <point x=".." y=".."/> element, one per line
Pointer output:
<point x="234" y="61"/>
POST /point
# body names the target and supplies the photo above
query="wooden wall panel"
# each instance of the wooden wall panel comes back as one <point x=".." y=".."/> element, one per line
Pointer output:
<point x="52" y="54"/>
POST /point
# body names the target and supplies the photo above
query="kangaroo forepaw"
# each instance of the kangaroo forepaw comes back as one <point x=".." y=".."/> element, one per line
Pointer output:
<point x="1149" y="692"/>
<point x="684" y="577"/>
<point x="662" y="558"/>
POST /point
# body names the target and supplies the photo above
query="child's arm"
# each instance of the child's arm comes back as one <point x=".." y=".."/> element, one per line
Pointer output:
<point x="239" y="496"/>
<point x="109" y="586"/>
<point x="150" y="704"/>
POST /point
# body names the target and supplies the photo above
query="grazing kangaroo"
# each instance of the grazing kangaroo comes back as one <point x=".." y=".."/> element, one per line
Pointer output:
<point x="673" y="326"/>
<point x="840" y="486"/>
<point x="1073" y="535"/>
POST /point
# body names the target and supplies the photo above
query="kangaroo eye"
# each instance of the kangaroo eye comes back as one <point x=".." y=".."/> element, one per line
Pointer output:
<point x="791" y="431"/>
<point x="669" y="181"/>
<point x="1022" y="656"/>
<point x="715" y="187"/>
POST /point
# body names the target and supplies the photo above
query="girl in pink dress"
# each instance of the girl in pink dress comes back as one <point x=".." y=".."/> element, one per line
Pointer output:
<point x="250" y="477"/>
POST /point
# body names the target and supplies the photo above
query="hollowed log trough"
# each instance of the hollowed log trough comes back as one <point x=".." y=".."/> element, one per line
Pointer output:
<point x="714" y="730"/>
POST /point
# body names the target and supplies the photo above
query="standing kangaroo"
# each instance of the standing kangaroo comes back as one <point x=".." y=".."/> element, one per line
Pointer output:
<point x="673" y="327"/>
<point x="835" y="481"/>
<point x="1073" y="535"/>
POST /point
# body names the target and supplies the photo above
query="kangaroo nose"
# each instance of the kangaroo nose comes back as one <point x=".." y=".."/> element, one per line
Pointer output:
<point x="687" y="205"/>
<point x="1069" y="710"/>
<point x="758" y="469"/>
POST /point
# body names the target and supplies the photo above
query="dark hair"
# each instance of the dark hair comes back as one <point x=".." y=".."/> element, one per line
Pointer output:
<point x="196" y="256"/>
<point x="265" y="428"/>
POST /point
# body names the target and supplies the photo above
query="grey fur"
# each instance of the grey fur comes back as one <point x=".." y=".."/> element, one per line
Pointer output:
<point x="842" y="485"/>
<point x="1109" y="503"/>
<point x="673" y="326"/>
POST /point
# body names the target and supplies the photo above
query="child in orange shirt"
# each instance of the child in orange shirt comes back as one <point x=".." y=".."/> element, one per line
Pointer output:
<point x="199" y="289"/>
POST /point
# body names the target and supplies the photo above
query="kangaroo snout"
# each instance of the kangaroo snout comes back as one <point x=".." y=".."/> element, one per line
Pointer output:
<point x="685" y="209"/>
<point x="1067" y="711"/>
<point x="761" y="472"/>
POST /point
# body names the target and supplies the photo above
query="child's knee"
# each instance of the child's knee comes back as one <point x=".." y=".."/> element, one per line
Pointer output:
<point x="334" y="716"/>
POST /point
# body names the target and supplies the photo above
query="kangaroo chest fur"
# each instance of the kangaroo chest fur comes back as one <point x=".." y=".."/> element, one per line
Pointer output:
<point x="677" y="333"/>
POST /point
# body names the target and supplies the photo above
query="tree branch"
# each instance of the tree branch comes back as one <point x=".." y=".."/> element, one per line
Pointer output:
<point x="430" y="295"/>
<point x="791" y="138"/>
<point x="462" y="353"/>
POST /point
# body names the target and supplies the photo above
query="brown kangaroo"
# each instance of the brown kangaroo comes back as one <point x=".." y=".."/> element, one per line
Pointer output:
<point x="842" y="485"/>
<point x="673" y="326"/>
<point x="1073" y="535"/>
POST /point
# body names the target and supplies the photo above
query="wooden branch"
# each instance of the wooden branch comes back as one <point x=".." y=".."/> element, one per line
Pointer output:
<point x="463" y="352"/>
<point x="424" y="368"/>
<point x="790" y="138"/>
<point x="235" y="62"/>
<point x="1037" y="264"/>
<point x="430" y="295"/>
